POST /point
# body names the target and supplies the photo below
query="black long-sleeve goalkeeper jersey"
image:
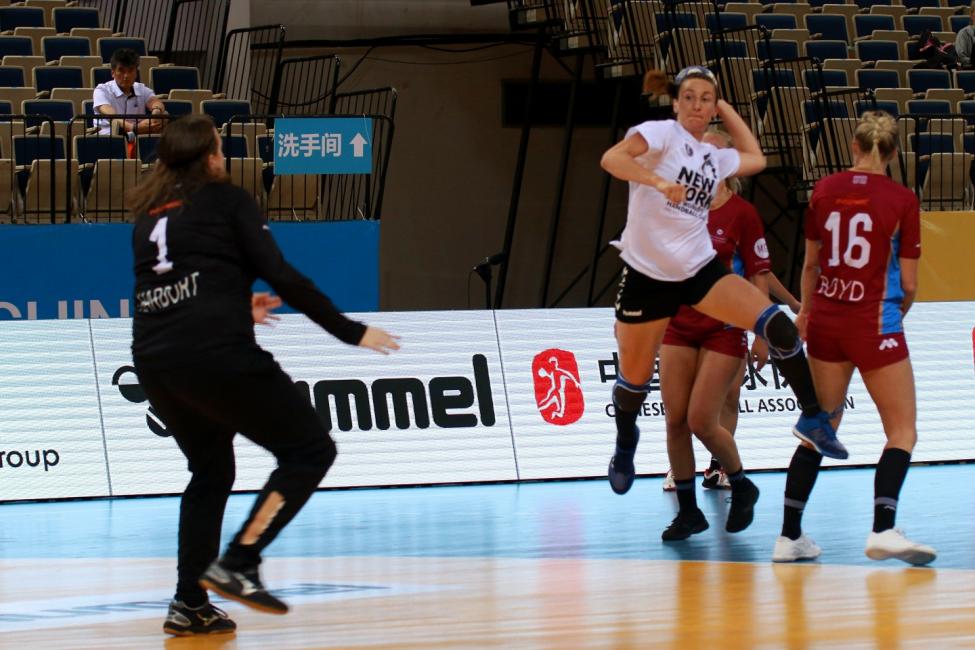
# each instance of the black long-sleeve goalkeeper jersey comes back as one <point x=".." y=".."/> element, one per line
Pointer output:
<point x="195" y="264"/>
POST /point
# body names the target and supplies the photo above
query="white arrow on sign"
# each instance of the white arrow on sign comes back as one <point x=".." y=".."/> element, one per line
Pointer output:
<point x="358" y="145"/>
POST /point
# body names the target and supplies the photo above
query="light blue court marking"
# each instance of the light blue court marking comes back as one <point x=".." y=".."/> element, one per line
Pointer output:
<point x="575" y="519"/>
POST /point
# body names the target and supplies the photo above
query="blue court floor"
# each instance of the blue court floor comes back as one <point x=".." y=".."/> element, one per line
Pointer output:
<point x="570" y="519"/>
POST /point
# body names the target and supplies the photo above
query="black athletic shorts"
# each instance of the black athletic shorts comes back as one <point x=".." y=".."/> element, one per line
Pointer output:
<point x="642" y="299"/>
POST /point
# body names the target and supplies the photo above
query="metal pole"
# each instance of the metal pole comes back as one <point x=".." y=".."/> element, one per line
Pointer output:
<point x="570" y="123"/>
<point x="509" y="233"/>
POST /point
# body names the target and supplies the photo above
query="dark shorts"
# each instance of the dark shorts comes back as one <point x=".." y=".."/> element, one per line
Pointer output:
<point x="866" y="352"/>
<point x="731" y="341"/>
<point x="642" y="299"/>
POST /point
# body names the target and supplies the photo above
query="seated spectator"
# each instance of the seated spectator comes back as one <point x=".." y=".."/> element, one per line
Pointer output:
<point x="965" y="41"/>
<point x="123" y="95"/>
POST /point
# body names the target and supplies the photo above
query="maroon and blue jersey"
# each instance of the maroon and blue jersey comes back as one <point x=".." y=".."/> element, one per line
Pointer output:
<point x="865" y="224"/>
<point x="738" y="237"/>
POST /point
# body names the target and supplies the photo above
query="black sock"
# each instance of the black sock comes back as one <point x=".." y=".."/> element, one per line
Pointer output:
<point x="193" y="601"/>
<point x="240" y="557"/>
<point x="799" y="482"/>
<point x="626" y="428"/>
<point x="786" y="352"/>
<point x="796" y="371"/>
<point x="738" y="480"/>
<point x="887" y="482"/>
<point x="686" y="495"/>
<point x="715" y="464"/>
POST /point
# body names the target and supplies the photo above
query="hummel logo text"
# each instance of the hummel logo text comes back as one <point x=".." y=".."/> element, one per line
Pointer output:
<point x="889" y="344"/>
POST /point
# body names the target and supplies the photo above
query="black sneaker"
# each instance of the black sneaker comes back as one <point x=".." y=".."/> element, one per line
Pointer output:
<point x="742" y="509"/>
<point x="183" y="620"/>
<point x="243" y="586"/>
<point x="684" y="525"/>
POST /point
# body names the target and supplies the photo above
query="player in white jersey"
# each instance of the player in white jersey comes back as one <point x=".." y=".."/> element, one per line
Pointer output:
<point x="669" y="262"/>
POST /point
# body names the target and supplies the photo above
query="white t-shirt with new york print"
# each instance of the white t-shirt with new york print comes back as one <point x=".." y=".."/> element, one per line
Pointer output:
<point x="664" y="240"/>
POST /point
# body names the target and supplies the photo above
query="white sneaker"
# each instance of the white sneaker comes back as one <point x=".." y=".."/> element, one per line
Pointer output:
<point x="892" y="543"/>
<point x="790" y="550"/>
<point x="669" y="484"/>
<point x="723" y="482"/>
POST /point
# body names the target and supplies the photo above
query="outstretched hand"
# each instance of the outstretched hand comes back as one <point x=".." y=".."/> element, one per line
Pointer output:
<point x="262" y="306"/>
<point x="379" y="340"/>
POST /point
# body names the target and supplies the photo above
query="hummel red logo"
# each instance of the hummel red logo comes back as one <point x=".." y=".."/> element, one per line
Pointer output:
<point x="889" y="344"/>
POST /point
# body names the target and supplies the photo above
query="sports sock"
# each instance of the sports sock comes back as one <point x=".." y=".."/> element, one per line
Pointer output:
<point x="887" y="482"/>
<point x="686" y="495"/>
<point x="799" y="482"/>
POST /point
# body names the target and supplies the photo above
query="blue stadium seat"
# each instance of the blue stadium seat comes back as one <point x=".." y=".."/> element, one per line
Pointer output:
<point x="876" y="105"/>
<point x="922" y="80"/>
<point x="878" y="51"/>
<point x="866" y="23"/>
<point x="968" y="142"/>
<point x="146" y="146"/>
<point x="868" y="79"/>
<point x="101" y="75"/>
<point x="11" y="76"/>
<point x="234" y="146"/>
<point x="47" y="78"/>
<point x="6" y="108"/>
<point x="221" y="110"/>
<point x="16" y="46"/>
<point x="716" y="49"/>
<point x="107" y="46"/>
<point x="67" y="18"/>
<point x="967" y="108"/>
<point x="832" y="27"/>
<point x="925" y="144"/>
<point x="668" y="20"/>
<point x="914" y="25"/>
<point x="958" y="23"/>
<point x="57" y="46"/>
<point x="89" y="149"/>
<point x="59" y="110"/>
<point x="13" y="17"/>
<point x="778" y="50"/>
<point x="178" y="107"/>
<point x="866" y="4"/>
<point x="817" y="79"/>
<point x="28" y="148"/>
<point x="718" y="21"/>
<point x="167" y="78"/>
<point x="776" y="21"/>
<point x="929" y="107"/>
<point x="918" y="4"/>
<point x="823" y="50"/>
<point x="965" y="79"/>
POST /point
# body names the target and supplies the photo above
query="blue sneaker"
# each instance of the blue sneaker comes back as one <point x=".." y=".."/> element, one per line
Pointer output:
<point x="819" y="432"/>
<point x="621" y="470"/>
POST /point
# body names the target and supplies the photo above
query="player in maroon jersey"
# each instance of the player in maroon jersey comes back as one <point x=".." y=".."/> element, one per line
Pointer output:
<point x="859" y="279"/>
<point x="701" y="357"/>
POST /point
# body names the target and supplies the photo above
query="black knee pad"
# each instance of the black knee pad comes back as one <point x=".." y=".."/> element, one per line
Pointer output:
<point x="627" y="396"/>
<point x="780" y="333"/>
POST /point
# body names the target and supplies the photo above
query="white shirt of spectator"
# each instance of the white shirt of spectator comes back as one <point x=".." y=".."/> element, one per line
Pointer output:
<point x="664" y="240"/>
<point x="109" y="93"/>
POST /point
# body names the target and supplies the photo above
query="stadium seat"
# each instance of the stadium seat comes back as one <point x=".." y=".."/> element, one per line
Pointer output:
<point x="868" y="79"/>
<point x="869" y="51"/>
<point x="110" y="181"/>
<point x="11" y="76"/>
<point x="36" y="36"/>
<point x="248" y="173"/>
<point x="234" y="146"/>
<point x="100" y="75"/>
<point x="47" y="78"/>
<point x="55" y="47"/>
<point x="776" y="21"/>
<point x="816" y="80"/>
<point x="221" y="110"/>
<point x="178" y="107"/>
<point x="37" y="193"/>
<point x="13" y="17"/>
<point x="107" y="46"/>
<point x="914" y="25"/>
<point x="92" y="34"/>
<point x="86" y="63"/>
<point x="965" y="79"/>
<point x="722" y="20"/>
<point x="68" y="18"/>
<point x="831" y="27"/>
<point x="164" y="79"/>
<point x="48" y="7"/>
<point x="293" y="197"/>
<point x="778" y="50"/>
<point x="823" y="50"/>
<point x="921" y="80"/>
<point x="928" y="107"/>
<point x="16" y="45"/>
<point x="947" y="185"/>
<point x="145" y="146"/>
<point x="866" y="23"/>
